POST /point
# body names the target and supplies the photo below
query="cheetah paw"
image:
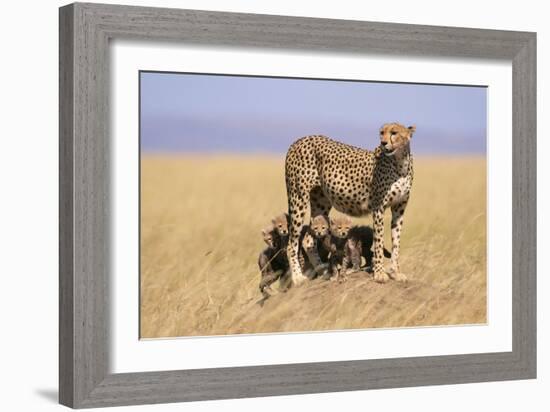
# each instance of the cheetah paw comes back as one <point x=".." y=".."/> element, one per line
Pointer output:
<point x="298" y="279"/>
<point x="398" y="276"/>
<point x="381" y="277"/>
<point x="267" y="292"/>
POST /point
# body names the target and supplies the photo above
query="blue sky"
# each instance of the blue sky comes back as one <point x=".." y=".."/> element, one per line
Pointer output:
<point x="237" y="114"/>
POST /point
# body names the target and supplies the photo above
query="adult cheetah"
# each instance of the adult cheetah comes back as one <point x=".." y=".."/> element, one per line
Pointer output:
<point x="322" y="173"/>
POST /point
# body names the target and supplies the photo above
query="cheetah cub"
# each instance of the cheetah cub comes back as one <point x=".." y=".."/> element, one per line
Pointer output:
<point x="319" y="230"/>
<point x="359" y="244"/>
<point x="337" y="244"/>
<point x="314" y="246"/>
<point x="272" y="261"/>
<point x="347" y="245"/>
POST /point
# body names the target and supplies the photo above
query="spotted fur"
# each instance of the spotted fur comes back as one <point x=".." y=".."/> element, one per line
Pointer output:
<point x="322" y="173"/>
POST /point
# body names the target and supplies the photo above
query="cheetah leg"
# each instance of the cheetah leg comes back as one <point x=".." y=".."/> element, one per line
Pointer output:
<point x="378" y="262"/>
<point x="268" y="278"/>
<point x="307" y="248"/>
<point x="397" y="212"/>
<point x="332" y="268"/>
<point x="285" y="281"/>
<point x="346" y="262"/>
<point x="336" y="276"/>
<point x="310" y="247"/>
<point x="340" y="275"/>
<point x="296" y="213"/>
<point x="356" y="253"/>
<point x="343" y="271"/>
<point x="368" y="260"/>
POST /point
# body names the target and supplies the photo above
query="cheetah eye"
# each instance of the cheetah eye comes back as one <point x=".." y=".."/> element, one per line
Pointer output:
<point x="393" y="133"/>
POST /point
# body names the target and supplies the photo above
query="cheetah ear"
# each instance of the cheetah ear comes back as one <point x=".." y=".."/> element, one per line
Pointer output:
<point x="412" y="129"/>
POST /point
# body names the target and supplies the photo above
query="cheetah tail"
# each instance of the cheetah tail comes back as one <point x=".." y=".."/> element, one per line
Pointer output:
<point x="387" y="253"/>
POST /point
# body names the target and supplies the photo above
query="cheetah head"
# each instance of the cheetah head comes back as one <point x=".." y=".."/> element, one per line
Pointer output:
<point x="394" y="137"/>
<point x="268" y="236"/>
<point x="280" y="224"/>
<point x="320" y="226"/>
<point x="340" y="226"/>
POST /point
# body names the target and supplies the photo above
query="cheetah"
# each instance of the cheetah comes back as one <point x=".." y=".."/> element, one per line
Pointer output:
<point x="337" y="243"/>
<point x="319" y="230"/>
<point x="348" y="244"/>
<point x="322" y="173"/>
<point x="358" y="245"/>
<point x="313" y="245"/>
<point x="272" y="261"/>
<point x="310" y="240"/>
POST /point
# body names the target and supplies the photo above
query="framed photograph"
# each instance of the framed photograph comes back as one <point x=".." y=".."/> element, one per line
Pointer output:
<point x="258" y="205"/>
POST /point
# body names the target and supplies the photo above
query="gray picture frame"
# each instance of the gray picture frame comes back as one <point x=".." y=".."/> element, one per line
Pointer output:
<point x="85" y="32"/>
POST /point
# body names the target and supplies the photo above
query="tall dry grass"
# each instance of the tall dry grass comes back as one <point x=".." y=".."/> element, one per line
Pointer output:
<point x="200" y="239"/>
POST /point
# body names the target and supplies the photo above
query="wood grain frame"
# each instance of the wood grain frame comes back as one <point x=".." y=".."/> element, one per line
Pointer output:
<point x="85" y="31"/>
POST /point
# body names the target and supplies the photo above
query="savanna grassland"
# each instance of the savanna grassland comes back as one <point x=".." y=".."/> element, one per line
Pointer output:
<point x="201" y="218"/>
